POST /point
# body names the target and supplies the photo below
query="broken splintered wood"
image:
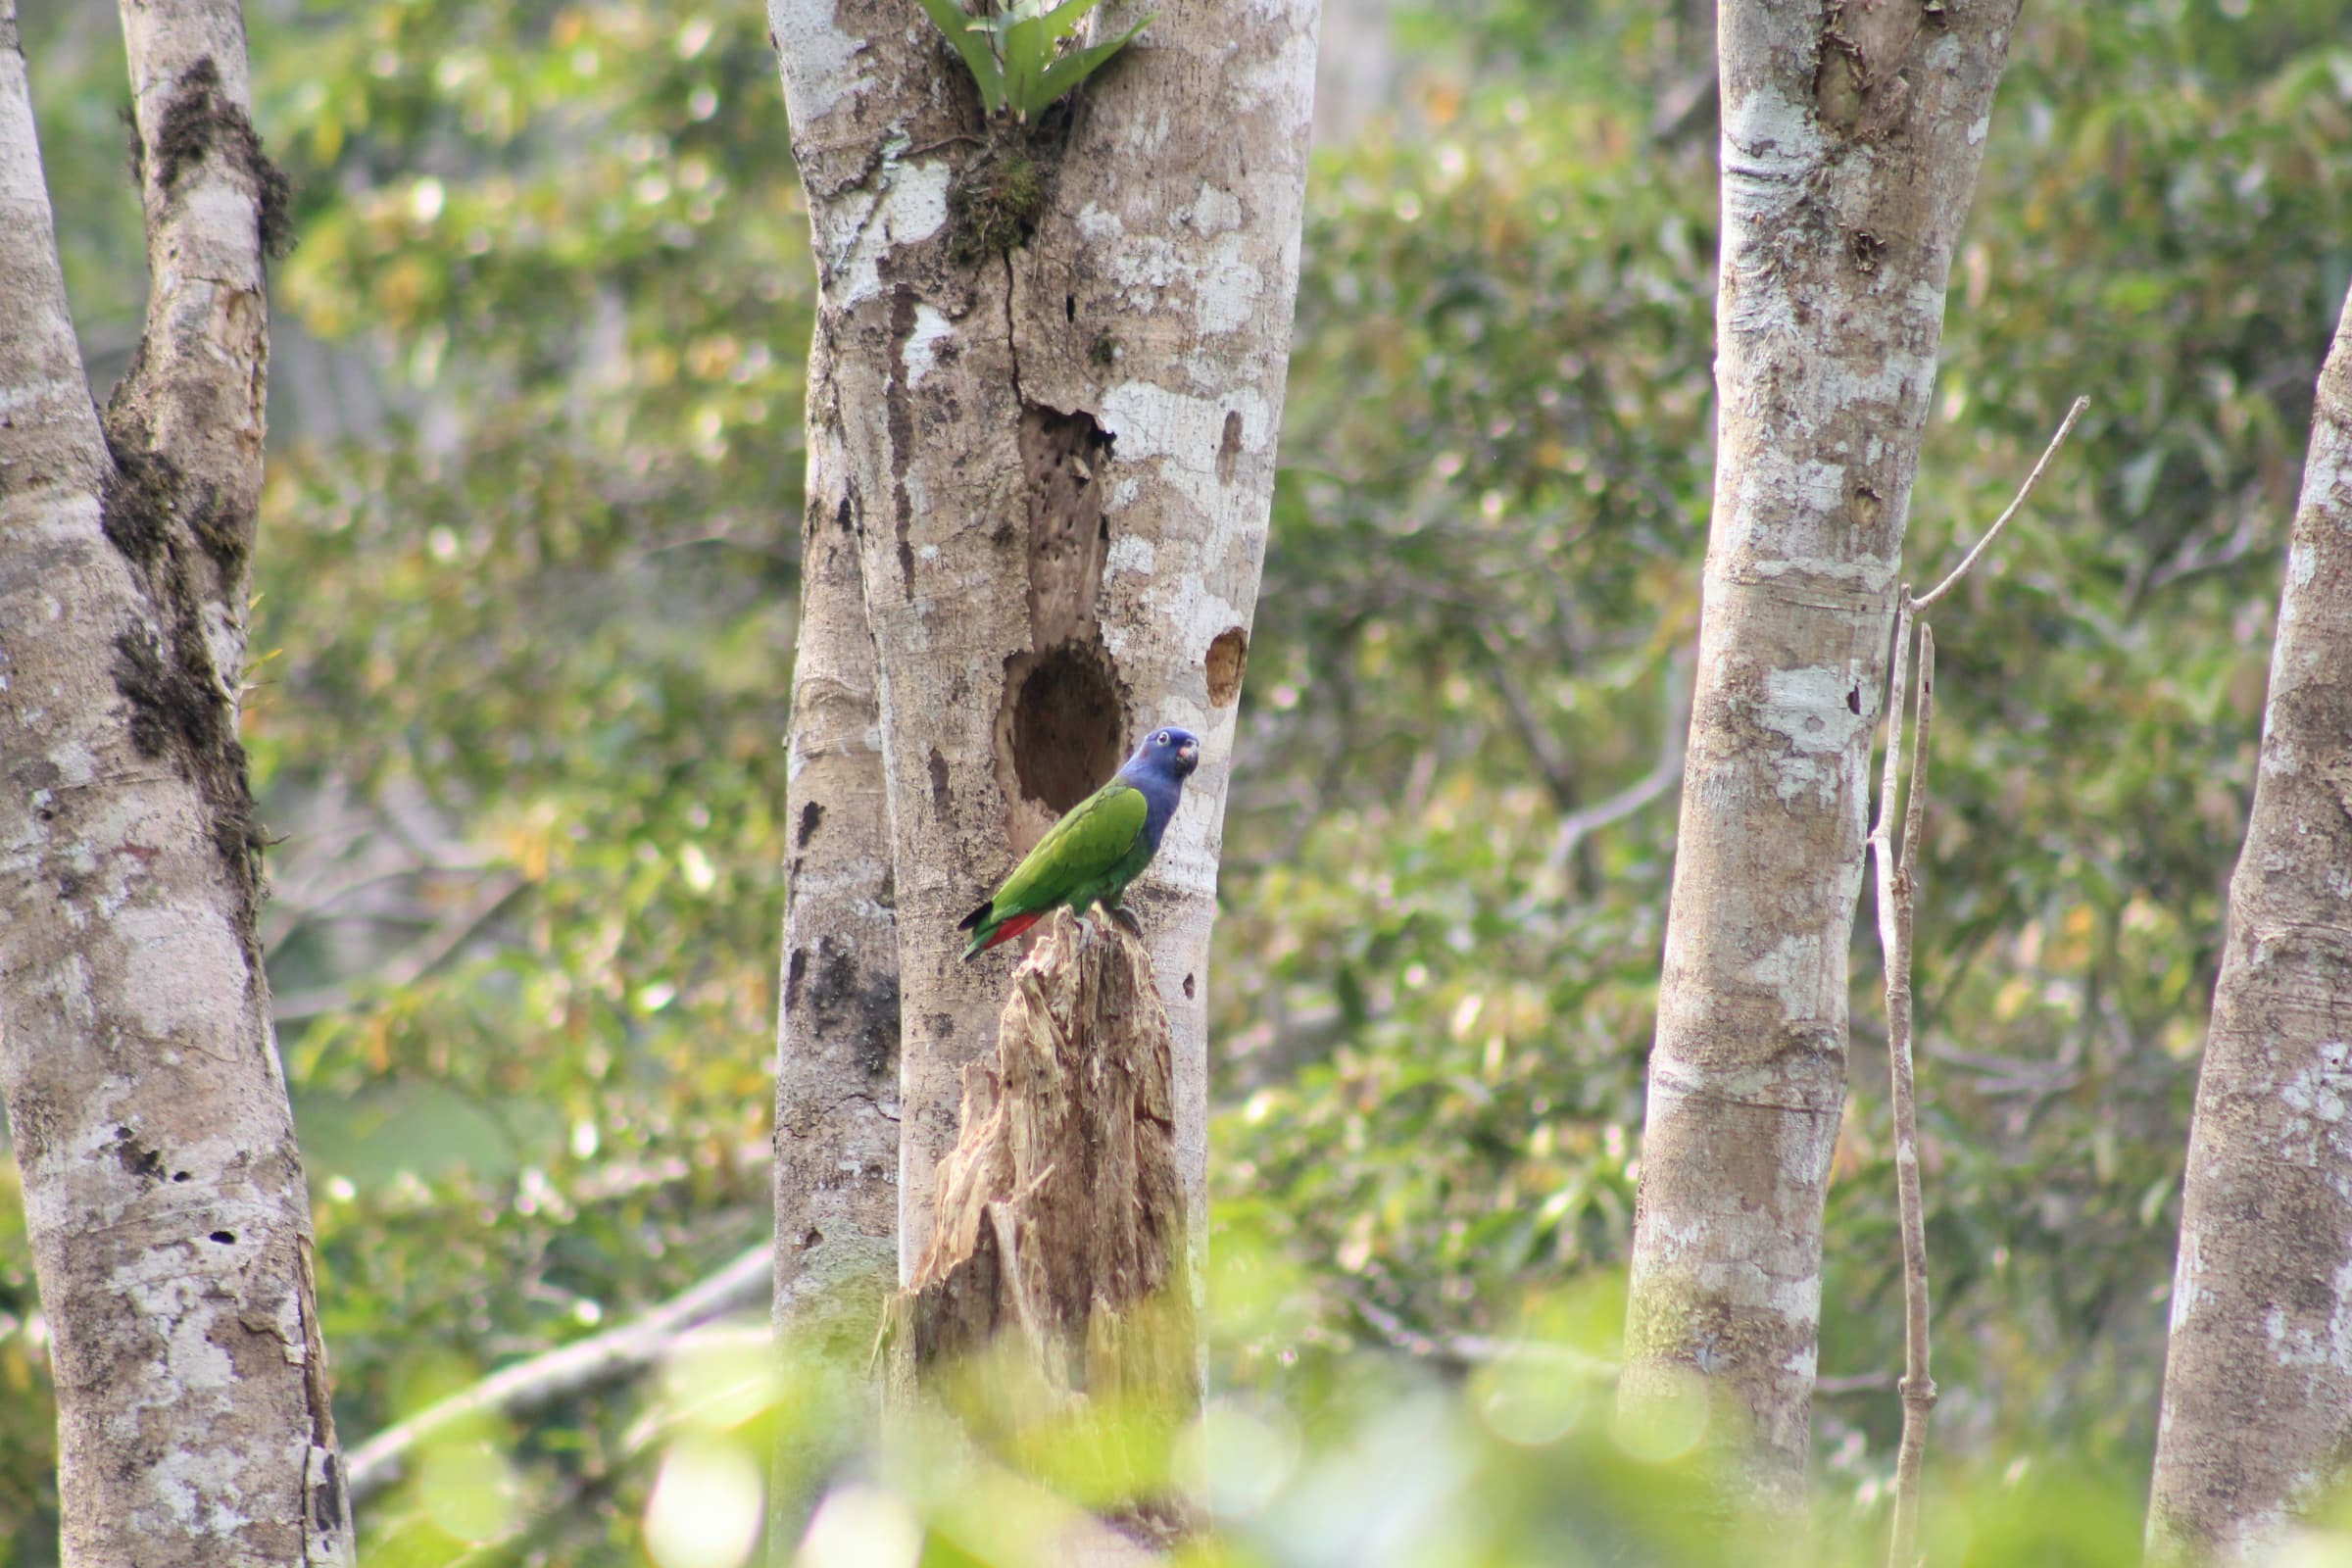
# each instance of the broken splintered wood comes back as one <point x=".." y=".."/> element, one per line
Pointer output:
<point x="1054" y="1298"/>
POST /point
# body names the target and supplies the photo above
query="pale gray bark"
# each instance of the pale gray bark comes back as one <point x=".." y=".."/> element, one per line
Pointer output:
<point x="836" y="1048"/>
<point x="2257" y="1413"/>
<point x="1851" y="137"/>
<point x="164" y="1200"/>
<point x="837" y="1082"/>
<point x="1061" y="464"/>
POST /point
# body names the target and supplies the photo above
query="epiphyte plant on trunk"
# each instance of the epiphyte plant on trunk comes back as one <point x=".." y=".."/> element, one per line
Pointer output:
<point x="1022" y="57"/>
<point x="1025" y="59"/>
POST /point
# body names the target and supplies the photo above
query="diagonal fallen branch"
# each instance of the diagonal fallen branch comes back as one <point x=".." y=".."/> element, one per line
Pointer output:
<point x="621" y="1351"/>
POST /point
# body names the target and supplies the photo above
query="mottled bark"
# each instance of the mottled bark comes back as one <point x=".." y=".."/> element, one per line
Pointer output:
<point x="2257" y="1414"/>
<point x="164" y="1200"/>
<point x="1061" y="464"/>
<point x="1851" y="136"/>
<point x="837" y="1049"/>
<point x="1060" y="1241"/>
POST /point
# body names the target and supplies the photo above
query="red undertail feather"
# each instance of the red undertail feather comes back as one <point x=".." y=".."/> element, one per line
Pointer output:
<point x="1010" y="929"/>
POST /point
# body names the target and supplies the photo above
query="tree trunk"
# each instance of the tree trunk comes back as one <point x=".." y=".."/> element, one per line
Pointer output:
<point x="165" y="1205"/>
<point x="2257" y="1413"/>
<point x="1060" y="465"/>
<point x="837" y="1056"/>
<point x="1851" y="136"/>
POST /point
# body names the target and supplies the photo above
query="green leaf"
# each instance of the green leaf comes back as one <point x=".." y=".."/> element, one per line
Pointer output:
<point x="974" y="39"/>
<point x="1028" y="50"/>
<point x="1065" y="71"/>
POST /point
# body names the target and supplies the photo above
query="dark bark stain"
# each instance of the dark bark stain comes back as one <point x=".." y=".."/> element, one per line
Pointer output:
<point x="135" y="1158"/>
<point x="940" y="799"/>
<point x="899" y="402"/>
<point x="178" y="713"/>
<point x="1229" y="447"/>
<point x="1061" y="717"/>
<point x="137" y="502"/>
<point x="844" y="1004"/>
<point x="1063" y="456"/>
<point x="200" y="120"/>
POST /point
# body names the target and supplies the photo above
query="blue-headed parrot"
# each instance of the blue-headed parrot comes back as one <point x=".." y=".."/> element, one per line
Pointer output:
<point x="1100" y="846"/>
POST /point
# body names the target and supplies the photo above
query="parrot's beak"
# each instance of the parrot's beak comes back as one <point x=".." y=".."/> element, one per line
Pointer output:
<point x="1187" y="757"/>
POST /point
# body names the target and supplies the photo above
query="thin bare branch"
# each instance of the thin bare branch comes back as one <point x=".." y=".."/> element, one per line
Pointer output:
<point x="1897" y="886"/>
<point x="1664" y="774"/>
<point x="619" y="1352"/>
<point x="428" y="953"/>
<point x="1558" y="775"/>
<point x="2032" y="479"/>
<point x="1898" y="666"/>
<point x="1854" y="1383"/>
<point x="1470" y="1349"/>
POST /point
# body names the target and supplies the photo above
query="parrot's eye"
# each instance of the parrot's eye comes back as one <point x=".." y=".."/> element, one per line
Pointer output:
<point x="1161" y="738"/>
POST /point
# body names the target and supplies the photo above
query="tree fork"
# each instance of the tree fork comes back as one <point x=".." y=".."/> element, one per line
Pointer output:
<point x="166" y="1205"/>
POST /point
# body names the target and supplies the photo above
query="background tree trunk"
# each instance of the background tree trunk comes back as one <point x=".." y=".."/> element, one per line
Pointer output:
<point x="1851" y="136"/>
<point x="837" y="1056"/>
<point x="1060" y="462"/>
<point x="165" y="1203"/>
<point x="2257" y="1413"/>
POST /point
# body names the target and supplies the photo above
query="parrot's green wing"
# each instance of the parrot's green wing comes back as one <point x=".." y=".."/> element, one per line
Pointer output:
<point x="1081" y="847"/>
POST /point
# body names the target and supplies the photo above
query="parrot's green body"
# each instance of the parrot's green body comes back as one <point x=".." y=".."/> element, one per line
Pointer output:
<point x="1100" y="846"/>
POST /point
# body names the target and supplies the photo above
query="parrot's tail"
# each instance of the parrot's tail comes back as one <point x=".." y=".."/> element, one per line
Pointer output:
<point x="986" y="938"/>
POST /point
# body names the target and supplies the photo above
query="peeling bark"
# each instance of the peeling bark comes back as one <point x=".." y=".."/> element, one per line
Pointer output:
<point x="1057" y="1273"/>
<point x="1067" y="458"/>
<point x="164" y="1198"/>
<point x="1851" y="136"/>
<point x="2257" y="1413"/>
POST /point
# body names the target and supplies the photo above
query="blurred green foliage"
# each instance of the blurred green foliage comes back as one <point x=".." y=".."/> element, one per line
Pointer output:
<point x="525" y="584"/>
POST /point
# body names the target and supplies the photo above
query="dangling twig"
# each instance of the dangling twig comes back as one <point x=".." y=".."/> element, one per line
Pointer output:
<point x="1897" y="885"/>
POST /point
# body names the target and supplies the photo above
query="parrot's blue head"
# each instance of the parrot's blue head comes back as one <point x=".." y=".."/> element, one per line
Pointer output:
<point x="1158" y="768"/>
<point x="1167" y="753"/>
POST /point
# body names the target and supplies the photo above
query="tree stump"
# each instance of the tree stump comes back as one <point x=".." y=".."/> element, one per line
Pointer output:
<point x="1054" y="1300"/>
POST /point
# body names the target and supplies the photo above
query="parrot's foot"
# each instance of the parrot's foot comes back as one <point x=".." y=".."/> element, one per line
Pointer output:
<point x="1127" y="920"/>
